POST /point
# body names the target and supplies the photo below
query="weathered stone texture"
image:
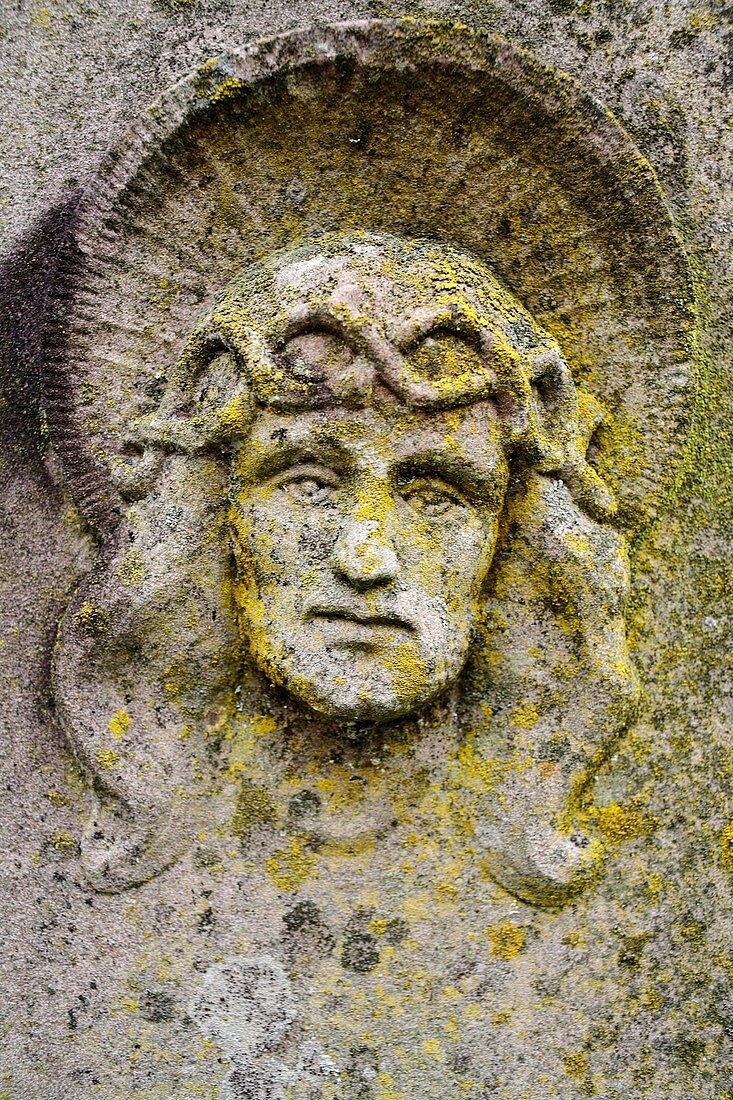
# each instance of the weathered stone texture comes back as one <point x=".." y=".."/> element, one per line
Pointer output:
<point x="499" y="864"/>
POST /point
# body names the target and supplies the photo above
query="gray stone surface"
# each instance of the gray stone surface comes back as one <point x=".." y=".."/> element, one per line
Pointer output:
<point x="270" y="940"/>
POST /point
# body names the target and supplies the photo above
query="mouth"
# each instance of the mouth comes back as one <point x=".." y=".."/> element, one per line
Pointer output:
<point x="353" y="625"/>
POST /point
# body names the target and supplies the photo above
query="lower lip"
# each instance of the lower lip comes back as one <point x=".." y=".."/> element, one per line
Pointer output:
<point x="337" y="631"/>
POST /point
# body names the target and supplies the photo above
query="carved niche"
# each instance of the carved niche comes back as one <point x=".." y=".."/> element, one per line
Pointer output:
<point x="362" y="355"/>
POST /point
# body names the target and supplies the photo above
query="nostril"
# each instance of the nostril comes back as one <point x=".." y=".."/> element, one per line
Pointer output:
<point x="378" y="561"/>
<point x="363" y="556"/>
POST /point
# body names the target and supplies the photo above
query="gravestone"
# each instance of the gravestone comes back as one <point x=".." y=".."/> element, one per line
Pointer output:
<point x="368" y="526"/>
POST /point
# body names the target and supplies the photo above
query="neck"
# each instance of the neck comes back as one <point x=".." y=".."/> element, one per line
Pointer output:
<point x="345" y="784"/>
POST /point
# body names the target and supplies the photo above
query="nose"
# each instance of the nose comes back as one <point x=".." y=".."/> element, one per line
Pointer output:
<point x="363" y="556"/>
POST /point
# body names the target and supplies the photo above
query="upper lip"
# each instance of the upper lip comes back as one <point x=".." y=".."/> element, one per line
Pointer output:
<point x="356" y="615"/>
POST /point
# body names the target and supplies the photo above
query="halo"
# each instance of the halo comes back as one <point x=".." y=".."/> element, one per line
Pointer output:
<point x="399" y="125"/>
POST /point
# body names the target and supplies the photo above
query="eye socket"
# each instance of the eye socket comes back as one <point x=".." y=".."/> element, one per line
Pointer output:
<point x="431" y="497"/>
<point x="309" y="486"/>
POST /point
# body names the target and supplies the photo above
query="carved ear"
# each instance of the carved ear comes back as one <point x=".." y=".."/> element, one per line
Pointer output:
<point x="144" y="652"/>
<point x="553" y="409"/>
<point x="547" y="422"/>
<point x="207" y="404"/>
<point x="562" y="689"/>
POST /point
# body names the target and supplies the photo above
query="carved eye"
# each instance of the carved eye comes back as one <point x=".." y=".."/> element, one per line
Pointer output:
<point x="432" y="498"/>
<point x="309" y="487"/>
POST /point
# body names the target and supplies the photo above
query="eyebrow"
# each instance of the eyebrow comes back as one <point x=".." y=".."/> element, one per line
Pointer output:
<point x="269" y="456"/>
<point x="466" y="470"/>
<point x="453" y="320"/>
<point x="310" y="319"/>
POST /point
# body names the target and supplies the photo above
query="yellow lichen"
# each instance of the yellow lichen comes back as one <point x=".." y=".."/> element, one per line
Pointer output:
<point x="227" y="89"/>
<point x="119" y="724"/>
<point x="254" y="807"/>
<point x="62" y="842"/>
<point x="576" y="1064"/>
<point x="131" y="570"/>
<point x="92" y="619"/>
<point x="525" y="716"/>
<point x="262" y="725"/>
<point x="618" y="822"/>
<point x="288" y="868"/>
<point x="726" y="848"/>
<point x="409" y="673"/>
<point x="107" y="758"/>
<point x="505" y="940"/>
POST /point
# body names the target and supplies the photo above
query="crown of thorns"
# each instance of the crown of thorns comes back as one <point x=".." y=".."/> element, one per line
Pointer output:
<point x="515" y="367"/>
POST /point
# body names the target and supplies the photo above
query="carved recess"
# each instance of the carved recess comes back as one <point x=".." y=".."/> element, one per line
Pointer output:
<point x="360" y="364"/>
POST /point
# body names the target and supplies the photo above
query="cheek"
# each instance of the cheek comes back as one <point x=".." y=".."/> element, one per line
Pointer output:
<point x="452" y="563"/>
<point x="285" y="541"/>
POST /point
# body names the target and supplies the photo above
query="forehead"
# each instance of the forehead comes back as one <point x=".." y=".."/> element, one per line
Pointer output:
<point x="380" y="283"/>
<point x="374" y="276"/>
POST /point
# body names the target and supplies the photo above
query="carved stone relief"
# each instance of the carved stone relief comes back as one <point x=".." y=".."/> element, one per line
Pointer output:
<point x="363" y="397"/>
<point x="377" y="405"/>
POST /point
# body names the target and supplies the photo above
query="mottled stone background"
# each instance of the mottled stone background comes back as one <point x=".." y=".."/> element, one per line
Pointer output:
<point x="643" y="1007"/>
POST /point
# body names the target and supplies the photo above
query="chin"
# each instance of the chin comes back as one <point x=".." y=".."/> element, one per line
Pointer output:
<point x="340" y="692"/>
<point x="352" y="706"/>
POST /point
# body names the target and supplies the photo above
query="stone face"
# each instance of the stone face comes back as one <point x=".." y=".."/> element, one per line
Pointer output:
<point x="368" y="696"/>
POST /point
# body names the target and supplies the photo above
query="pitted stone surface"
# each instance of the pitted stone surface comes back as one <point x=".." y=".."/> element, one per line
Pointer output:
<point x="368" y="532"/>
